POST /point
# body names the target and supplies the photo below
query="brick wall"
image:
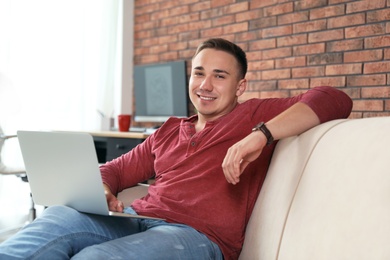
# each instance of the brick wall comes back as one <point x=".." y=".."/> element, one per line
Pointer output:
<point x="291" y="45"/>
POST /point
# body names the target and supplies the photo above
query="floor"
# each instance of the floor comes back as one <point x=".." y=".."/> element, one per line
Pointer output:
<point x="15" y="204"/>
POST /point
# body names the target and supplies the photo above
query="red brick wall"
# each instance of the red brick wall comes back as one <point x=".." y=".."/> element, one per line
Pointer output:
<point x="291" y="45"/>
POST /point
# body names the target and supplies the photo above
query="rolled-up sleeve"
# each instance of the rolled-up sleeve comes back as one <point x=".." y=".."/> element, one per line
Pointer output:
<point x="328" y="103"/>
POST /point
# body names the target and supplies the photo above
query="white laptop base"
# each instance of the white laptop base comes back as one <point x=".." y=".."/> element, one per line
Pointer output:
<point x="62" y="169"/>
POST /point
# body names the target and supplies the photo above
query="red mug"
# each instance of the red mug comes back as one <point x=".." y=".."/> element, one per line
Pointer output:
<point x="124" y="122"/>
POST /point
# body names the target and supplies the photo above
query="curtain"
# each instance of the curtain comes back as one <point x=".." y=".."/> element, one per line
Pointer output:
<point x="59" y="63"/>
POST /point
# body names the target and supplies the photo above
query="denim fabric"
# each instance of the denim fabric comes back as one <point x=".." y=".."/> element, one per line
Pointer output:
<point x="64" y="233"/>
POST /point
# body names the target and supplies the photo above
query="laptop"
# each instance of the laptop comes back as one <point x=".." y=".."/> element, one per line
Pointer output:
<point x="63" y="169"/>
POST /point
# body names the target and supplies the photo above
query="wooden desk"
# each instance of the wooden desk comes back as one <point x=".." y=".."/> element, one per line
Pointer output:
<point x="110" y="144"/>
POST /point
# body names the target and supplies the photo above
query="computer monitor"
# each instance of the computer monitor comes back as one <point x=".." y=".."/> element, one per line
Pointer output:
<point x="161" y="91"/>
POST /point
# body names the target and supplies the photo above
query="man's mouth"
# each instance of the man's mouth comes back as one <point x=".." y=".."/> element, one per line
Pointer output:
<point x="206" y="98"/>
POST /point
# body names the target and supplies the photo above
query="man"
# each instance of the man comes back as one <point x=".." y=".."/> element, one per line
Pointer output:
<point x="208" y="168"/>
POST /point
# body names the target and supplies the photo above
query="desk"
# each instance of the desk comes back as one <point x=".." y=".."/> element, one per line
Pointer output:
<point x="110" y="145"/>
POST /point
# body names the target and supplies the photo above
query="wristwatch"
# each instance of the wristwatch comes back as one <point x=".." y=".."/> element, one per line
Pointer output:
<point x="261" y="127"/>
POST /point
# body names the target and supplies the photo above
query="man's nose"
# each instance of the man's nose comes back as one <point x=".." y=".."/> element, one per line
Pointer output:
<point x="206" y="84"/>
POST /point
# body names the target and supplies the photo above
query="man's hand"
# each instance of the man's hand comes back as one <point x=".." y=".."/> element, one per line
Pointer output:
<point x="113" y="203"/>
<point x="241" y="154"/>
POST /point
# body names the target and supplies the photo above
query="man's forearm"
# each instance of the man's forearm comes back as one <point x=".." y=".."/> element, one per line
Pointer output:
<point x="295" y="120"/>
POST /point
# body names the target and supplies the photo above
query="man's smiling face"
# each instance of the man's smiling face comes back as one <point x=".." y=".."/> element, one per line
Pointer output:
<point x="214" y="83"/>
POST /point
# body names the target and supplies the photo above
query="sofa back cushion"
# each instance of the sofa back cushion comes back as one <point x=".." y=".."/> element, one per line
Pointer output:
<point x="326" y="195"/>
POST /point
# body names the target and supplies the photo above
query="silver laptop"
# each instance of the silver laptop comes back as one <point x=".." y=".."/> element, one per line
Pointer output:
<point x="62" y="169"/>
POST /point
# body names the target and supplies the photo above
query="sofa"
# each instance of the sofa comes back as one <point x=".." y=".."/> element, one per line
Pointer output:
<point x="326" y="195"/>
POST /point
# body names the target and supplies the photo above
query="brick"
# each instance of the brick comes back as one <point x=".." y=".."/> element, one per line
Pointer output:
<point x="217" y="3"/>
<point x="377" y="42"/>
<point x="347" y="20"/>
<point x="212" y="32"/>
<point x="274" y="94"/>
<point x="262" y="3"/>
<point x="361" y="6"/>
<point x="365" y="30"/>
<point x="308" y="72"/>
<point x="366" y="80"/>
<point x="200" y="6"/>
<point x="377" y="67"/>
<point x="235" y="7"/>
<point x="387" y="105"/>
<point x="291" y="40"/>
<point x="309" y="49"/>
<point x="353" y="93"/>
<point x="177" y="29"/>
<point x="276" y="31"/>
<point x="175" y="46"/>
<point x="376" y="114"/>
<point x="249" y="15"/>
<point x="293" y="84"/>
<point x="145" y="59"/>
<point x="261" y="65"/>
<point x="295" y="17"/>
<point x="368" y="105"/>
<point x="247" y="36"/>
<point x="309" y="26"/>
<point x="253" y="75"/>
<point x="279" y="9"/>
<point x="378" y="16"/>
<point x="159" y="48"/>
<point x="327" y="11"/>
<point x="237" y="27"/>
<point x="275" y="74"/>
<point x="344" y="69"/>
<point x="376" y="92"/>
<point x="326" y="35"/>
<point x="355" y="115"/>
<point x="277" y="53"/>
<point x="254" y="56"/>
<point x="248" y="95"/>
<point x="262" y="44"/>
<point x="328" y="81"/>
<point x="290" y="62"/>
<point x="324" y="58"/>
<point x="345" y="45"/>
<point x="363" y="56"/>
<point x="265" y="22"/>
<point x="309" y="4"/>
<point x="182" y="9"/>
<point x="168" y="56"/>
<point x="263" y="85"/>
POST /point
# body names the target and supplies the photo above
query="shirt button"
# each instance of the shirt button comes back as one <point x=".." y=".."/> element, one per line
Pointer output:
<point x="193" y="143"/>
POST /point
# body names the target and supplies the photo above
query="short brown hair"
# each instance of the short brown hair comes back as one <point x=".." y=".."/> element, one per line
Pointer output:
<point x="229" y="47"/>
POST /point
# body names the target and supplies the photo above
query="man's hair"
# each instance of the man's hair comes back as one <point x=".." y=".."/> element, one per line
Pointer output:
<point x="229" y="47"/>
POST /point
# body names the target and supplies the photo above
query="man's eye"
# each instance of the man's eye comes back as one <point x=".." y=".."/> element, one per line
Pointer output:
<point x="220" y="76"/>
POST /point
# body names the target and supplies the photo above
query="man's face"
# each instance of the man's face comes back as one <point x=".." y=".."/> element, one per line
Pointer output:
<point x="214" y="83"/>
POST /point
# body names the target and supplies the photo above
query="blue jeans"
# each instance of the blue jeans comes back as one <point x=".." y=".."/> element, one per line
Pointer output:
<point x="64" y="233"/>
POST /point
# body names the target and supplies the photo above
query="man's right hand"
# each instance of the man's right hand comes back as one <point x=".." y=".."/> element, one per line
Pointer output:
<point x="113" y="203"/>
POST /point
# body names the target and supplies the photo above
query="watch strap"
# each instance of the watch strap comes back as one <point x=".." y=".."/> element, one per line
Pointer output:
<point x="263" y="128"/>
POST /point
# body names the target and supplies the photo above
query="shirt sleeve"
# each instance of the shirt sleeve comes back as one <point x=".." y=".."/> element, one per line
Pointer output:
<point x="129" y="169"/>
<point x="328" y="103"/>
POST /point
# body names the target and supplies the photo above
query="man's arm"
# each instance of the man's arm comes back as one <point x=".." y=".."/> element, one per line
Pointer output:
<point x="295" y="120"/>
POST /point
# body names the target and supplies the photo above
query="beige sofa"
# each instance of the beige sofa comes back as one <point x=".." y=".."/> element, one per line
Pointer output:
<point x="326" y="195"/>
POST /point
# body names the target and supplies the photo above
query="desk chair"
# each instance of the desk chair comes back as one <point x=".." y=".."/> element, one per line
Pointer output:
<point x="19" y="172"/>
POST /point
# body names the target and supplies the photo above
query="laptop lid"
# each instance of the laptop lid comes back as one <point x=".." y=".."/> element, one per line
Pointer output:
<point x="62" y="169"/>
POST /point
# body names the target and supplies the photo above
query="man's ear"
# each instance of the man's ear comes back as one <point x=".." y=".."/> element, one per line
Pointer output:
<point x="241" y="87"/>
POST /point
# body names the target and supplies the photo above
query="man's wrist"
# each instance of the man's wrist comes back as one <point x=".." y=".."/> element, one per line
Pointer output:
<point x="263" y="128"/>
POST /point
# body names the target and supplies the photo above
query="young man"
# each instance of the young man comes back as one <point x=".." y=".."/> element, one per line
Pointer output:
<point x="209" y="169"/>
